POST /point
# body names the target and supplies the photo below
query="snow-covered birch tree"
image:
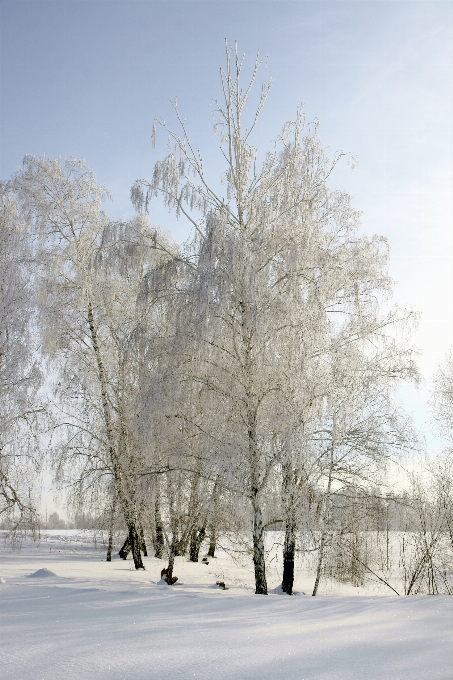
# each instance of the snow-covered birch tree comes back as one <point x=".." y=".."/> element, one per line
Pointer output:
<point x="91" y="275"/>
<point x="20" y="372"/>
<point x="360" y="432"/>
<point x="282" y="280"/>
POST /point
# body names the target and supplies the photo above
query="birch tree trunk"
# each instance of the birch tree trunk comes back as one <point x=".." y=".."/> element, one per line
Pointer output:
<point x="125" y="548"/>
<point x="134" y="537"/>
<point x="159" y="543"/>
<point x="196" y="540"/>
<point x="258" y="545"/>
<point x="289" y="546"/>
<point x="258" y="529"/>
<point x="212" y="541"/>
<point x="135" y="540"/>
<point x="213" y="520"/>
<point x="111" y="529"/>
<point x="326" y="518"/>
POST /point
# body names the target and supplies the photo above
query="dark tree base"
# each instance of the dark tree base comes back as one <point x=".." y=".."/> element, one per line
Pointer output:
<point x="125" y="549"/>
<point x="195" y="544"/>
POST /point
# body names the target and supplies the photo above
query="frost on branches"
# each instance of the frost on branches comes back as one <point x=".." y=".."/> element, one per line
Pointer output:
<point x="242" y="382"/>
<point x="20" y="375"/>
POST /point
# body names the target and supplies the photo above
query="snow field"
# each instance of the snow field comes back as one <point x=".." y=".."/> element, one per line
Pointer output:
<point x="103" y="620"/>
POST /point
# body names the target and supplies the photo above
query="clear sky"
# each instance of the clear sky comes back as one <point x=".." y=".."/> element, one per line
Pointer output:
<point x="87" y="77"/>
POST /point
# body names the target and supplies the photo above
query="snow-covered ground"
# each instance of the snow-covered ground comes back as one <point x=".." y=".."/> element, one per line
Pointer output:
<point x="94" y="619"/>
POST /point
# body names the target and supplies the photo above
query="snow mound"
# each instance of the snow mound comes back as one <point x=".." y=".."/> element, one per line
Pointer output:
<point x="279" y="591"/>
<point x="42" y="573"/>
<point x="163" y="582"/>
<point x="2" y="580"/>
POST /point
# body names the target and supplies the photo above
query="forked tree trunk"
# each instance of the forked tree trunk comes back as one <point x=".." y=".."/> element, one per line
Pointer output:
<point x="180" y="544"/>
<point x="134" y="537"/>
<point x="125" y="548"/>
<point x="180" y="531"/>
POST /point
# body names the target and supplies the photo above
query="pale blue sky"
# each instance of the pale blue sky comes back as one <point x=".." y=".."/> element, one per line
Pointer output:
<point x="87" y="77"/>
